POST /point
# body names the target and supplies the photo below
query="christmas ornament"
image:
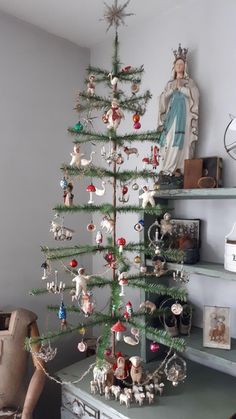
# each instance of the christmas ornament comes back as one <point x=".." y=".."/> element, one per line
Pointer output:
<point x="134" y="88"/>
<point x="124" y="190"/>
<point x="135" y="186"/>
<point x="121" y="243"/>
<point x="137" y="259"/>
<point x="159" y="264"/>
<point x="91" y="85"/>
<point x="68" y="195"/>
<point x="82" y="346"/>
<point x="118" y="328"/>
<point x="123" y="280"/>
<point x="130" y="340"/>
<point x="73" y="263"/>
<point x="109" y="258"/>
<point x="81" y="283"/>
<point x="175" y="369"/>
<point x="148" y="306"/>
<point x="119" y="160"/>
<point x="136" y="117"/>
<point x="153" y="158"/>
<point x="176" y="309"/>
<point x="46" y="269"/>
<point x="54" y="286"/>
<point x="115" y="14"/>
<point x="91" y="189"/>
<point x="105" y="118"/>
<point x="62" y="314"/>
<point x="129" y="308"/>
<point x="153" y="236"/>
<point x="91" y="227"/>
<point x="59" y="231"/>
<point x="148" y="197"/>
<point x="76" y="156"/>
<point x="99" y="238"/>
<point x="154" y="347"/>
<point x="107" y="223"/>
<point x="63" y="183"/>
<point x="139" y="226"/>
<point x="114" y="115"/>
<point x="181" y="275"/>
<point x="130" y="150"/>
<point x="126" y="69"/>
<point x="166" y="225"/>
<point x="78" y="127"/>
<point x="46" y="352"/>
<point x="113" y="80"/>
<point x="101" y="192"/>
<point x="86" y="162"/>
<point x="86" y="303"/>
<point x="108" y="352"/>
<point x="137" y="125"/>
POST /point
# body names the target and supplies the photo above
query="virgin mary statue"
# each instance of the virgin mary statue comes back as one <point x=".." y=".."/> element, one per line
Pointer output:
<point x="178" y="117"/>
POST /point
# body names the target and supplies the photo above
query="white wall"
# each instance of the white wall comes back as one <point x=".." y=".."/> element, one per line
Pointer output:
<point x="207" y="28"/>
<point x="39" y="77"/>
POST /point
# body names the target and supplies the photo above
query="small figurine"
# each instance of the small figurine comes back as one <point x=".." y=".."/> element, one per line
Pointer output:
<point x="136" y="369"/>
<point x="76" y="156"/>
<point x="91" y="85"/>
<point x="68" y="195"/>
<point x="114" y="115"/>
<point x="166" y="225"/>
<point x="86" y="304"/>
<point x="107" y="223"/>
<point x="87" y="162"/>
<point x="147" y="197"/>
<point x="81" y="282"/>
<point x="99" y="238"/>
<point x="101" y="192"/>
<point x="121" y="367"/>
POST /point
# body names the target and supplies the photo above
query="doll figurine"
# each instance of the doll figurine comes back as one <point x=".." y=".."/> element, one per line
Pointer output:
<point x="68" y="195"/>
<point x="114" y="115"/>
<point x="148" y="197"/>
<point x="81" y="282"/>
<point x="76" y="156"/>
<point x="91" y="85"/>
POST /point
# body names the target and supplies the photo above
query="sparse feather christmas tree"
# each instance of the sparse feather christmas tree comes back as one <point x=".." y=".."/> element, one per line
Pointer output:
<point x="112" y="108"/>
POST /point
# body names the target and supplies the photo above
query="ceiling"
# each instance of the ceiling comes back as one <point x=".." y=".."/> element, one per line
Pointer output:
<point x="79" y="21"/>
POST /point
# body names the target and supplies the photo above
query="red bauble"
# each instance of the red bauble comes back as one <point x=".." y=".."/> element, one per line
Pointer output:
<point x="137" y="125"/>
<point x="136" y="117"/>
<point x="73" y="263"/>
<point x="154" y="347"/>
<point x="124" y="189"/>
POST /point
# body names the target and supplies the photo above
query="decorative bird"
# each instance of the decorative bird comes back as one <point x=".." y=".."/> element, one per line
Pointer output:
<point x="85" y="162"/>
<point x="101" y="192"/>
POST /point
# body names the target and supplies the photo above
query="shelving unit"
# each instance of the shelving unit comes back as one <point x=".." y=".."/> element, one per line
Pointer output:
<point x="218" y="359"/>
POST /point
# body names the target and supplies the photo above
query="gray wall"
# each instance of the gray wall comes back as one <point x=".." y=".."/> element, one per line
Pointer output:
<point x="207" y="28"/>
<point x="40" y="76"/>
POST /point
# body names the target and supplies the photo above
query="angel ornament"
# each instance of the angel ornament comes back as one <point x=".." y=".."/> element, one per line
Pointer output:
<point x="166" y="225"/>
<point x="148" y="197"/>
<point x="81" y="281"/>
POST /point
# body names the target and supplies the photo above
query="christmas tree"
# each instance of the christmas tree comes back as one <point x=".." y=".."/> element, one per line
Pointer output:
<point x="119" y="269"/>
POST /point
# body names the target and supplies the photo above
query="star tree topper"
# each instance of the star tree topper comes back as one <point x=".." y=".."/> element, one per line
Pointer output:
<point x="115" y="14"/>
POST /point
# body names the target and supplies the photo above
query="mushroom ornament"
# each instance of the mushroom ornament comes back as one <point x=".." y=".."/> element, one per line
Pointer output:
<point x="118" y="328"/>
<point x="121" y="243"/>
<point x="91" y="189"/>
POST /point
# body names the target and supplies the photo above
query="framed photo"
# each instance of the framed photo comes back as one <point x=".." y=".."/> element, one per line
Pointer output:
<point x="79" y="407"/>
<point x="216" y="327"/>
<point x="185" y="231"/>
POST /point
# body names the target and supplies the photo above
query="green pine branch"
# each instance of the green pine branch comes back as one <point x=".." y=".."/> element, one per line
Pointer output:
<point x="85" y="136"/>
<point x="99" y="172"/>
<point x="108" y="209"/>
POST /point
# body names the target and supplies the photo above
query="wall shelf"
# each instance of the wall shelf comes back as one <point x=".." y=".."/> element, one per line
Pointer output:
<point x="209" y="193"/>
<point x="219" y="359"/>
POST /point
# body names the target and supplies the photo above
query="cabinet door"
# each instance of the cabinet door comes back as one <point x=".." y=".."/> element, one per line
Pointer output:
<point x="65" y="414"/>
<point x="78" y="407"/>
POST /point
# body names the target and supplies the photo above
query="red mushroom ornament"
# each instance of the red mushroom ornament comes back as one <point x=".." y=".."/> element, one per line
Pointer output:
<point x="121" y="243"/>
<point x="91" y="189"/>
<point x="118" y="328"/>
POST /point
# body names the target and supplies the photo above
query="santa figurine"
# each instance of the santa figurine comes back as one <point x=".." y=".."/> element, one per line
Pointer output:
<point x="91" y="85"/>
<point x="121" y="370"/>
<point x="114" y="115"/>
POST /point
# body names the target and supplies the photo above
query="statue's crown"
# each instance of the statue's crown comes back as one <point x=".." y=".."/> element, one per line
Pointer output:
<point x="180" y="53"/>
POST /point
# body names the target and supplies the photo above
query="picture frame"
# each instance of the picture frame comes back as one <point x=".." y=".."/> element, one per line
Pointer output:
<point x="186" y="228"/>
<point x="216" y="327"/>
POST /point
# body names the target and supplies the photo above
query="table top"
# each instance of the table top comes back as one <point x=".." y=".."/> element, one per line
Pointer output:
<point x="205" y="394"/>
